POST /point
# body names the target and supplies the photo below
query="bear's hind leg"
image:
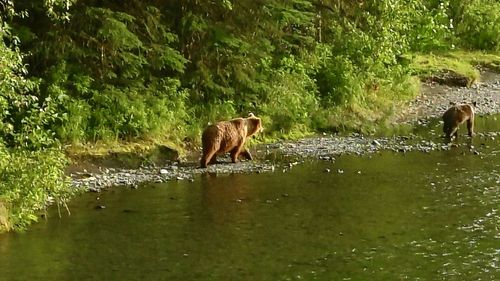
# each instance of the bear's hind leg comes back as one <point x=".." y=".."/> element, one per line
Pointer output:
<point x="245" y="153"/>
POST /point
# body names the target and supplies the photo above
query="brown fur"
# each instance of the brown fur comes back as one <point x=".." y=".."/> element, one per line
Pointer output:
<point x="457" y="115"/>
<point x="228" y="136"/>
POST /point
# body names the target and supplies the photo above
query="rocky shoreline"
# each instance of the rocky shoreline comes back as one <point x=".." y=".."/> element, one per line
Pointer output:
<point x="433" y="100"/>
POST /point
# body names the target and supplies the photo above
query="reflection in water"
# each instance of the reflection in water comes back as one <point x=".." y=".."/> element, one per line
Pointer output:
<point x="413" y="216"/>
<point x="224" y="201"/>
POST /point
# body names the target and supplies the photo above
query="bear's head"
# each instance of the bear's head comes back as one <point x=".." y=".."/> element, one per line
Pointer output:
<point x="254" y="125"/>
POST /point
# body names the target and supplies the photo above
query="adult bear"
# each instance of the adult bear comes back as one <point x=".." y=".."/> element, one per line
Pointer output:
<point x="228" y="136"/>
<point x="457" y="115"/>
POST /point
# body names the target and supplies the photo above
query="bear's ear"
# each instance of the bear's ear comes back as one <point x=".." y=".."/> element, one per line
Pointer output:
<point x="250" y="115"/>
<point x="254" y="125"/>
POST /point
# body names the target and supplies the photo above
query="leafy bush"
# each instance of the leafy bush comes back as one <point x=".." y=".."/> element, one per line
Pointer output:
<point x="479" y="27"/>
<point x="359" y="58"/>
<point x="338" y="81"/>
<point x="291" y="100"/>
<point x="31" y="165"/>
<point x="362" y="76"/>
<point x="430" y="26"/>
<point x="29" y="180"/>
<point x="136" y="113"/>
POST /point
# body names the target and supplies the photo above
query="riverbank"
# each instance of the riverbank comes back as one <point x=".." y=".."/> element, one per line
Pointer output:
<point x="281" y="156"/>
<point x="436" y="98"/>
<point x="162" y="164"/>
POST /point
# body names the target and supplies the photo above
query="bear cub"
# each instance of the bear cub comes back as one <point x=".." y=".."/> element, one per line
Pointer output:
<point x="228" y="136"/>
<point x="456" y="115"/>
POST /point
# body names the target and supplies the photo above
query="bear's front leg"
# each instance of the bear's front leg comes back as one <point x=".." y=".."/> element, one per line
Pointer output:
<point x="209" y="156"/>
<point x="214" y="159"/>
<point x="470" y="126"/>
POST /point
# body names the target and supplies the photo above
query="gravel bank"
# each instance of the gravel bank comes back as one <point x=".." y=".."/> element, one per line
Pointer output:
<point x="435" y="99"/>
<point x="431" y="103"/>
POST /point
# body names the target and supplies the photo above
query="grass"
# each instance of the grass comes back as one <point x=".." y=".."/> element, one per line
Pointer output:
<point x="102" y="148"/>
<point x="459" y="62"/>
<point x="372" y="110"/>
<point x="490" y="60"/>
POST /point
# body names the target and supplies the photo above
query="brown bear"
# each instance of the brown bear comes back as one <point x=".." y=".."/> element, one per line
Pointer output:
<point x="228" y="136"/>
<point x="456" y="115"/>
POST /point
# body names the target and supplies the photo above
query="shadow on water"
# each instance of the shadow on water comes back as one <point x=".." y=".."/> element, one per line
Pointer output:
<point x="384" y="216"/>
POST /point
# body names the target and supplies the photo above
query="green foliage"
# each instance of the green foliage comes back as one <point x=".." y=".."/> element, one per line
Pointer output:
<point x="357" y="64"/>
<point x="23" y="114"/>
<point x="75" y="121"/>
<point x="29" y="180"/>
<point x="479" y="27"/>
<point x="291" y="99"/>
<point x="123" y="70"/>
<point x="338" y="81"/>
<point x="90" y="71"/>
<point x="31" y="170"/>
<point x="58" y="9"/>
<point x="110" y="75"/>
<point x="113" y="114"/>
<point x="135" y="113"/>
<point x="431" y="27"/>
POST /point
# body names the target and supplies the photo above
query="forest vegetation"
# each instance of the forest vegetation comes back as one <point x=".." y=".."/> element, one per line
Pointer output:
<point x="81" y="72"/>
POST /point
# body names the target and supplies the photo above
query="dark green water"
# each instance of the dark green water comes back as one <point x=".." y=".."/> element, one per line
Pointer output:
<point x="388" y="216"/>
